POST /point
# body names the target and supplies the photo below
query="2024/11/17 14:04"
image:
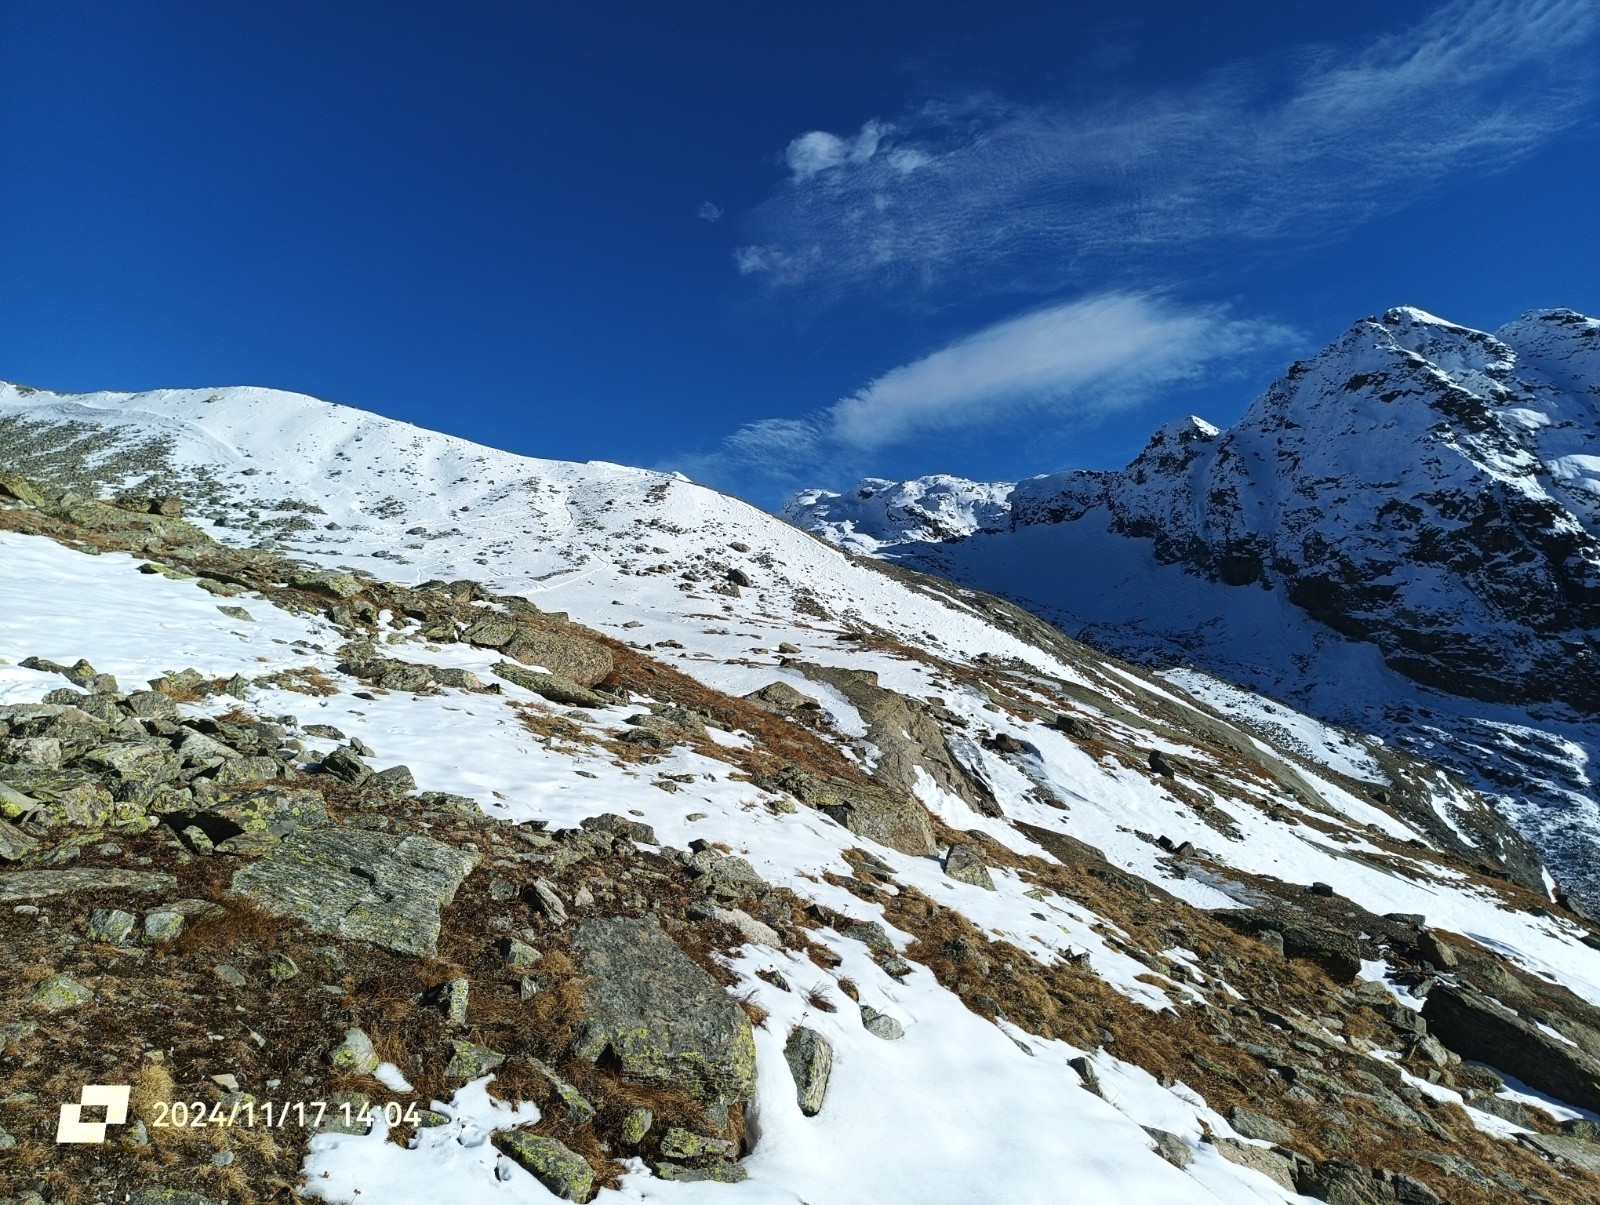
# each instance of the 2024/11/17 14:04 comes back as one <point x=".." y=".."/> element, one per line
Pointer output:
<point x="307" y="1114"/>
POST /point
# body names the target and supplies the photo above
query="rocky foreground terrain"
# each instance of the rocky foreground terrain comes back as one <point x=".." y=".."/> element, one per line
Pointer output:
<point x="1401" y="534"/>
<point x="753" y="873"/>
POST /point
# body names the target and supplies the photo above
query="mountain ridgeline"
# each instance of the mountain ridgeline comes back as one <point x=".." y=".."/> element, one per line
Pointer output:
<point x="1428" y="488"/>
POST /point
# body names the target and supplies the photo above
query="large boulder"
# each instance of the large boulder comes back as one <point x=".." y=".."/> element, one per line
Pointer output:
<point x="356" y="883"/>
<point x="1478" y="1027"/>
<point x="566" y="654"/>
<point x="660" y="1015"/>
<point x="890" y="817"/>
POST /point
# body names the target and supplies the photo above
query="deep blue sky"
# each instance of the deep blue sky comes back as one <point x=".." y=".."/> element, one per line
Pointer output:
<point x="1011" y="238"/>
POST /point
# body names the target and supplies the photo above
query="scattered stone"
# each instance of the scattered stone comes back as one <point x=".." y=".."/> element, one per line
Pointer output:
<point x="1279" y="1168"/>
<point x="881" y="1025"/>
<point x="519" y="955"/>
<point x="579" y="1110"/>
<point x="163" y="927"/>
<point x="1170" y="1147"/>
<point x="396" y="780"/>
<point x="965" y="864"/>
<point x="111" y="925"/>
<point x="355" y="1054"/>
<point x="14" y="843"/>
<point x="662" y="1016"/>
<point x="453" y="995"/>
<point x="562" y="1170"/>
<point x="679" y="1143"/>
<point x="231" y="975"/>
<point x="59" y="993"/>
<point x="550" y="686"/>
<point x="721" y="1173"/>
<point x="346" y="766"/>
<point x="810" y="1059"/>
<point x="549" y="901"/>
<point x="1257" y="1125"/>
<point x="470" y="1061"/>
<point x="636" y="1125"/>
<point x="357" y="883"/>
<point x="781" y="698"/>
<point x="1086" y="1072"/>
<point x="621" y="826"/>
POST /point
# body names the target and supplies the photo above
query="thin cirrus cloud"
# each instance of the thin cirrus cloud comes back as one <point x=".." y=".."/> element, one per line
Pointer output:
<point x="996" y="195"/>
<point x="1052" y="365"/>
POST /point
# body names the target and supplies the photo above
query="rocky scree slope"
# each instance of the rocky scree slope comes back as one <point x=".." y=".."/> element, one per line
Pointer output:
<point x="1421" y="489"/>
<point x="780" y="874"/>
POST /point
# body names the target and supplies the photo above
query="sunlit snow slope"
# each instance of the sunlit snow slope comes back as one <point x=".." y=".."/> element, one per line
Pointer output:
<point x="962" y="1109"/>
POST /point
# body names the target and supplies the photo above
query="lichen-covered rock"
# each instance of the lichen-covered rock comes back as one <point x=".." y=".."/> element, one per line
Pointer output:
<point x="148" y="762"/>
<point x="579" y="1110"/>
<point x="19" y="885"/>
<point x="468" y="1061"/>
<point x="636" y="1125"/>
<point x="720" y="1173"/>
<point x="348" y="1113"/>
<point x="355" y="1054"/>
<point x="575" y="657"/>
<point x="679" y="1143"/>
<point x="162" y="927"/>
<point x="111" y="925"/>
<point x="347" y="766"/>
<point x="357" y="883"/>
<point x="559" y="1168"/>
<point x="661" y="1015"/>
<point x="242" y="770"/>
<point x="965" y="864"/>
<point x="59" y="993"/>
<point x="325" y="581"/>
<point x="168" y="1196"/>
<point x="14" y="843"/>
<point x="810" y="1059"/>
<point x="275" y="810"/>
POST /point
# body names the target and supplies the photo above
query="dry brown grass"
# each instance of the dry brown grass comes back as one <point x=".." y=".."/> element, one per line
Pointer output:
<point x="302" y="680"/>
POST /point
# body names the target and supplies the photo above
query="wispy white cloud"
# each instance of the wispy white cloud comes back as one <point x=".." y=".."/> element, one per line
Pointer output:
<point x="1049" y="367"/>
<point x="1005" y="196"/>
<point x="709" y="211"/>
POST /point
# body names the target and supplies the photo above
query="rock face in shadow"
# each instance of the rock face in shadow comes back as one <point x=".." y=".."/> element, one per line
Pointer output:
<point x="1477" y="1027"/>
<point x="360" y="884"/>
<point x="660" y="1015"/>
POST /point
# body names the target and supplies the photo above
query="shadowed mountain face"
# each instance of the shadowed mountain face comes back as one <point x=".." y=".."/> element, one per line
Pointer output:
<point x="1421" y="498"/>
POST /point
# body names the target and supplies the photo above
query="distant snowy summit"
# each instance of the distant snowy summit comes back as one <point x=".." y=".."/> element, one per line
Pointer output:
<point x="1428" y="488"/>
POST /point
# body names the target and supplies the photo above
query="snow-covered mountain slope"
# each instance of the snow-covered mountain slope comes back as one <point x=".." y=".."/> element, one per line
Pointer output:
<point x="1401" y="534"/>
<point x="1059" y="921"/>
